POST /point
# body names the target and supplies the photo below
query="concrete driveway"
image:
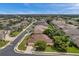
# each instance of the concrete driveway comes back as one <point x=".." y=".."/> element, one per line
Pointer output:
<point x="29" y="50"/>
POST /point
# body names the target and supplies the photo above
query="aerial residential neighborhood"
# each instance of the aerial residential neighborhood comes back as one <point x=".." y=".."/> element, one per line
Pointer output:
<point x="48" y="35"/>
<point x="39" y="29"/>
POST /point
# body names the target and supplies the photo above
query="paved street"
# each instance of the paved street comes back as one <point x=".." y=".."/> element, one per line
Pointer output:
<point x="9" y="50"/>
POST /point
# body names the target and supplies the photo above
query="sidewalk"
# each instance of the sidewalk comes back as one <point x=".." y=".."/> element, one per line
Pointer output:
<point x="54" y="53"/>
<point x="16" y="47"/>
<point x="12" y="38"/>
<point x="8" y="38"/>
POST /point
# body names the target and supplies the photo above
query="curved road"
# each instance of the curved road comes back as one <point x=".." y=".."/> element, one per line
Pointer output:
<point x="9" y="50"/>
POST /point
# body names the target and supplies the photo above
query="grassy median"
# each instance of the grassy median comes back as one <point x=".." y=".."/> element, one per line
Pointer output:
<point x="23" y="44"/>
<point x="3" y="43"/>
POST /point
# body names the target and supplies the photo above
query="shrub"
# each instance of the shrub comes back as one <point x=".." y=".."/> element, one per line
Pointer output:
<point x="40" y="45"/>
<point x="61" y="43"/>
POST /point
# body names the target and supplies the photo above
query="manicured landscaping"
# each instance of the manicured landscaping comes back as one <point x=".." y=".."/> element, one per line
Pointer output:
<point x="50" y="49"/>
<point x="72" y="49"/>
<point x="14" y="33"/>
<point x="3" y="43"/>
<point x="61" y="41"/>
<point x="23" y="44"/>
<point x="40" y="45"/>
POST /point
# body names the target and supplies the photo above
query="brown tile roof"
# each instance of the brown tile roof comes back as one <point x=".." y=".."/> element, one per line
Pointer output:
<point x="36" y="37"/>
<point x="39" y="28"/>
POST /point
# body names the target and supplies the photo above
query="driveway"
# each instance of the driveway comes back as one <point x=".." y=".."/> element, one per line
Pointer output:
<point x="29" y="50"/>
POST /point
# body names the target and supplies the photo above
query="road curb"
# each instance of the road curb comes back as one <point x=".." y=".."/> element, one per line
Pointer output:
<point x="16" y="47"/>
<point x="39" y="53"/>
<point x="50" y="53"/>
<point x="5" y="45"/>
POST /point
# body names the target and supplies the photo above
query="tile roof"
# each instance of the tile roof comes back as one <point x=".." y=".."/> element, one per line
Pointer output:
<point x="36" y="37"/>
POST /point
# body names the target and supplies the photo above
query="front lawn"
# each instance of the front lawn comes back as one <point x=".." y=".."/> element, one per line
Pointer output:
<point x="14" y="33"/>
<point x="72" y="50"/>
<point x="23" y="45"/>
<point x="50" y="49"/>
<point x="3" y="43"/>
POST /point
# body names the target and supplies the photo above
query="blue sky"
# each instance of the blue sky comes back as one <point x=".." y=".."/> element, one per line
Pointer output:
<point x="39" y="8"/>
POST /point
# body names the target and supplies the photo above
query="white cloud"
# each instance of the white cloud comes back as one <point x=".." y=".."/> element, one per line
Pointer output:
<point x="74" y="6"/>
<point x="73" y="9"/>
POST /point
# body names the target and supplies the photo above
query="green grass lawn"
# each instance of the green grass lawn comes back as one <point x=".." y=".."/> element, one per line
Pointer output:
<point x="58" y="36"/>
<point x="14" y="33"/>
<point x="50" y="49"/>
<point x="3" y="43"/>
<point x="69" y="49"/>
<point x="23" y="46"/>
<point x="72" y="50"/>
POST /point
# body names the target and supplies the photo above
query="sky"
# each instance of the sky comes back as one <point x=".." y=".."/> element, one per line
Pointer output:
<point x="39" y="8"/>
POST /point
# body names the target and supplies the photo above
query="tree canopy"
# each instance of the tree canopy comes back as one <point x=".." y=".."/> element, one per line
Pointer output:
<point x="40" y="45"/>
